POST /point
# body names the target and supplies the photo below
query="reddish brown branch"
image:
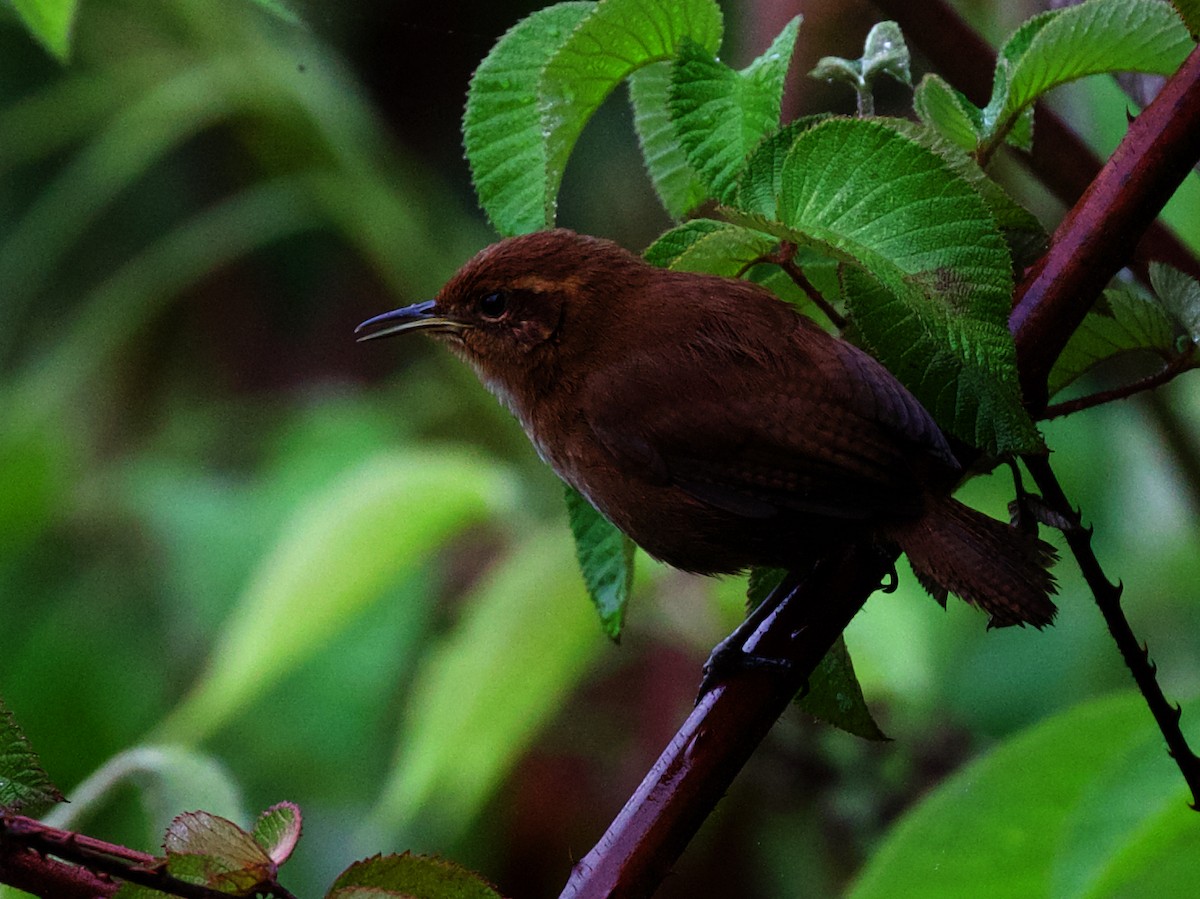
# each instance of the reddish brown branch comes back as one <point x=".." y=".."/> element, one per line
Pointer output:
<point x="726" y="726"/>
<point x="27" y="847"/>
<point x="1092" y="242"/>
<point x="40" y="875"/>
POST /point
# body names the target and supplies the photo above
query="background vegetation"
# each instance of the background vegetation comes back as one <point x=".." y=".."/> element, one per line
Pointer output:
<point x="338" y="574"/>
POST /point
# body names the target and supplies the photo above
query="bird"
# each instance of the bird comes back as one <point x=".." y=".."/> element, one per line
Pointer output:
<point x="715" y="424"/>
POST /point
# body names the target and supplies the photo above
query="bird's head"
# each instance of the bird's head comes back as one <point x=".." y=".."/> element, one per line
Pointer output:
<point x="522" y="305"/>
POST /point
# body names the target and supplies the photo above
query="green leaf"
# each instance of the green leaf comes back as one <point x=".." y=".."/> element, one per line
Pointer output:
<point x="934" y="306"/>
<point x="502" y="123"/>
<point x="1086" y="803"/>
<point x="1189" y="11"/>
<point x="758" y="188"/>
<point x="948" y="111"/>
<point x="605" y="558"/>
<point x="49" y="21"/>
<point x="721" y="115"/>
<point x="277" y="831"/>
<point x="962" y="369"/>
<point x="882" y="199"/>
<point x="761" y="582"/>
<point x="1180" y="296"/>
<point x="1024" y="234"/>
<point x="335" y="556"/>
<point x="207" y="849"/>
<point x="23" y="782"/>
<point x="886" y="53"/>
<point x="417" y="876"/>
<point x="678" y="186"/>
<point x="711" y="247"/>
<point x="1129" y="320"/>
<point x="833" y="695"/>
<point x="525" y="638"/>
<point x="1095" y="37"/>
<point x="617" y="39"/>
<point x="535" y="91"/>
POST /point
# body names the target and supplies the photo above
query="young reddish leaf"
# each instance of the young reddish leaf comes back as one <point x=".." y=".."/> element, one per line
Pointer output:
<point x="213" y="851"/>
<point x="277" y="830"/>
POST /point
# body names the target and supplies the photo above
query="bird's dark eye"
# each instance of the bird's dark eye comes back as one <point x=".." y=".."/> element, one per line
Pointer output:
<point x="493" y="305"/>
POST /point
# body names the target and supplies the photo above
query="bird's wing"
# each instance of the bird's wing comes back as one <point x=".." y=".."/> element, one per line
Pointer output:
<point x="822" y="429"/>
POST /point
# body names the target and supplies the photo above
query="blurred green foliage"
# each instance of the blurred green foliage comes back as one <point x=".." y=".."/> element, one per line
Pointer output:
<point x="341" y="577"/>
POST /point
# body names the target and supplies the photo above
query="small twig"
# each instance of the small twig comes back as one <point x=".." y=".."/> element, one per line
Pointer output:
<point x="1175" y="366"/>
<point x="1108" y="599"/>
<point x="784" y="257"/>
<point x="107" y="858"/>
<point x="866" y="101"/>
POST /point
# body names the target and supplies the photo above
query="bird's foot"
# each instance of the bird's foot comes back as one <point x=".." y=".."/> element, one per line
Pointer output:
<point x="730" y="658"/>
<point x="736" y="653"/>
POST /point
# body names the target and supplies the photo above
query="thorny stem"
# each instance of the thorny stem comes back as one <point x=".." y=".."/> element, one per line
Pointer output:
<point x="1112" y="221"/>
<point x="1108" y="599"/>
<point x="21" y="833"/>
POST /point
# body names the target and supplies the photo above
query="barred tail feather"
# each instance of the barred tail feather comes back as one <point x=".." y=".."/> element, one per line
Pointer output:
<point x="954" y="549"/>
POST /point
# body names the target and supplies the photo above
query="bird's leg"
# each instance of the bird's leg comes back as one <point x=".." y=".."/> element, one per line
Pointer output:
<point x="1028" y="510"/>
<point x="736" y="652"/>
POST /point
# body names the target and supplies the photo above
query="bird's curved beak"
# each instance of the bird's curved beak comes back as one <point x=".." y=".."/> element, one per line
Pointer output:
<point x="418" y="316"/>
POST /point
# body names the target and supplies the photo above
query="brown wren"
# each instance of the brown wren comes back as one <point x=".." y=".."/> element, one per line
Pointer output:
<point x="714" y="424"/>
